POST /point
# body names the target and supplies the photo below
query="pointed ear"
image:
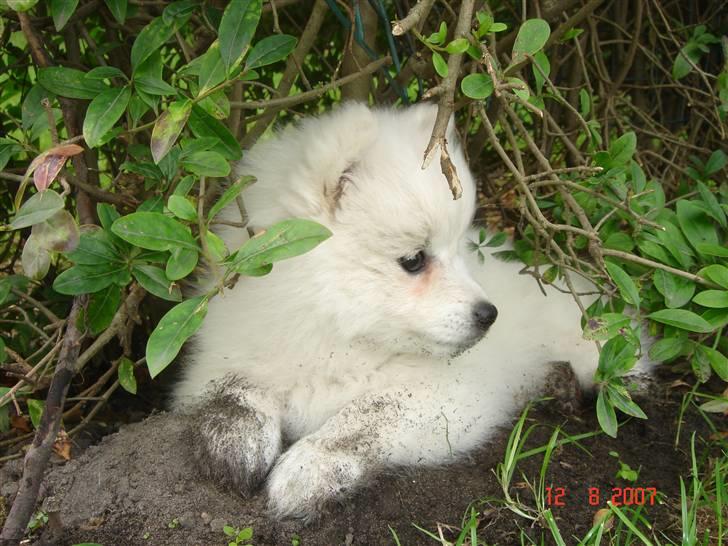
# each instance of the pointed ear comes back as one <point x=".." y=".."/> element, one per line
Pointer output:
<point x="303" y="171"/>
<point x="340" y="140"/>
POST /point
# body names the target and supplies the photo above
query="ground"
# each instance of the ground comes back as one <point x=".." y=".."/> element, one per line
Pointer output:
<point x="137" y="487"/>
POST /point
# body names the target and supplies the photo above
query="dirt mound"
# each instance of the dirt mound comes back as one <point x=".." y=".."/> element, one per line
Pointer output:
<point x="137" y="487"/>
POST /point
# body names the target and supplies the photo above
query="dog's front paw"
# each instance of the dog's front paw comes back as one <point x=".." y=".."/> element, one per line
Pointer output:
<point x="237" y="446"/>
<point x="308" y="476"/>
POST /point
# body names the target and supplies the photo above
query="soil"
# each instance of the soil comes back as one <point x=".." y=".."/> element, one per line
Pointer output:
<point x="136" y="487"/>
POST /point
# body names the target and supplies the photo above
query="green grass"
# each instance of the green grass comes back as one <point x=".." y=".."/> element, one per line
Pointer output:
<point x="702" y="497"/>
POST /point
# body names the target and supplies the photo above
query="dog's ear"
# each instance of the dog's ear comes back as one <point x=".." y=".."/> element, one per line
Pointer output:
<point x="304" y="171"/>
<point x="341" y="139"/>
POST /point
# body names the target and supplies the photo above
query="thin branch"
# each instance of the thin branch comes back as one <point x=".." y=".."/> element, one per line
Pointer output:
<point x="446" y="105"/>
<point x="414" y="19"/>
<point x="286" y="102"/>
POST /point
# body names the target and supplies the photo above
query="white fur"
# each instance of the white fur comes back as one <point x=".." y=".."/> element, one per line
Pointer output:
<point x="354" y="354"/>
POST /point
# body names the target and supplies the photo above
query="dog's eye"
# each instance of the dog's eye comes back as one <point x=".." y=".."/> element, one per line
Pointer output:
<point x="414" y="264"/>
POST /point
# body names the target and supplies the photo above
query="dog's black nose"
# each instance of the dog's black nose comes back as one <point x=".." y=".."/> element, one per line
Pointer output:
<point x="484" y="314"/>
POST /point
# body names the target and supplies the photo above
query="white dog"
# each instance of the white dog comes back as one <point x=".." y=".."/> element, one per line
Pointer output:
<point x="350" y="359"/>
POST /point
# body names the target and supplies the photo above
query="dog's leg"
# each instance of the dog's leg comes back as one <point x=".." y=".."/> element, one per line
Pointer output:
<point x="411" y="425"/>
<point x="236" y="433"/>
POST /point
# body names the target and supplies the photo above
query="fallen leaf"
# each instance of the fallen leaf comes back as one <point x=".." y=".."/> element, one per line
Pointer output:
<point x="62" y="446"/>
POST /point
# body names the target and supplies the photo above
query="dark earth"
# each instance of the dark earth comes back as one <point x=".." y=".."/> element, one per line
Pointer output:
<point x="136" y="487"/>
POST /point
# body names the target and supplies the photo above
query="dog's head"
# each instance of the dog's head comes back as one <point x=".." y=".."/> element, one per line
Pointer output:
<point x="394" y="273"/>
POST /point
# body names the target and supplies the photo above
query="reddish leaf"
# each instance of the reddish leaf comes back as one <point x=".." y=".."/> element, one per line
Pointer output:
<point x="46" y="172"/>
<point x="65" y="150"/>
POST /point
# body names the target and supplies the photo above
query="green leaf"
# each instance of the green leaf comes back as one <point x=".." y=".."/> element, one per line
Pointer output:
<point x="117" y="9"/>
<point x="69" y="82"/>
<point x="497" y="240"/>
<point x="154" y="281"/>
<point x="228" y="195"/>
<point x="714" y="209"/>
<point x="620" y="398"/>
<point x="269" y="50"/>
<point x="616" y="357"/>
<point x="182" y="208"/>
<point x="206" y="164"/>
<point x="695" y="224"/>
<point x="281" y="241"/>
<point x="439" y="64"/>
<point x="605" y="326"/>
<point x="237" y="28"/>
<point x="102" y="307"/>
<point x="715" y="273"/>
<point x="681" y="318"/>
<point x="83" y="279"/>
<point x="168" y="127"/>
<point x="477" y="86"/>
<point x="676" y="290"/>
<point x="212" y="69"/>
<point x="715" y="299"/>
<point x="126" y="375"/>
<point x="700" y="365"/>
<point x="61" y="11"/>
<point x="103" y="113"/>
<point x="203" y="125"/>
<point x="94" y="248"/>
<point x="541" y="61"/>
<point x="21" y="5"/>
<point x="718" y="361"/>
<point x="104" y="72"/>
<point x="153" y="86"/>
<point x="153" y="231"/>
<point x="627" y="288"/>
<point x="216" y="246"/>
<point x="36" y="258"/>
<point x="681" y="66"/>
<point x="716" y="162"/>
<point x="622" y="149"/>
<point x="531" y="37"/>
<point x="181" y="263"/>
<point x="35" y="409"/>
<point x="150" y="39"/>
<point x="107" y="214"/>
<point x="37" y="209"/>
<point x="666" y="349"/>
<point x="173" y="330"/>
<point x="459" y="45"/>
<point x="606" y="415"/>
<point x="712" y="250"/>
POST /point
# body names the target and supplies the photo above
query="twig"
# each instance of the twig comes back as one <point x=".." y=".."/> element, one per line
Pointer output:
<point x="414" y="19"/>
<point x="445" y="105"/>
<point x="40" y="450"/>
<point x="292" y="100"/>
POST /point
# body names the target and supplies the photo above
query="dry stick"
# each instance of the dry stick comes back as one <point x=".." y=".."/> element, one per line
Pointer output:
<point x="40" y="450"/>
<point x="446" y="104"/>
<point x="657" y="265"/>
<point x="22" y="381"/>
<point x="308" y="37"/>
<point x="414" y="18"/>
<point x="69" y="363"/>
<point x="293" y="100"/>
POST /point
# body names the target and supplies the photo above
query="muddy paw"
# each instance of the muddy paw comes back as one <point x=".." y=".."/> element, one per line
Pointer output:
<point x="308" y="476"/>
<point x="236" y="447"/>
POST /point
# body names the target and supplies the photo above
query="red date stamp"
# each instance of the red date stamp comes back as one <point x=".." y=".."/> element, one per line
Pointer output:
<point x="619" y="496"/>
